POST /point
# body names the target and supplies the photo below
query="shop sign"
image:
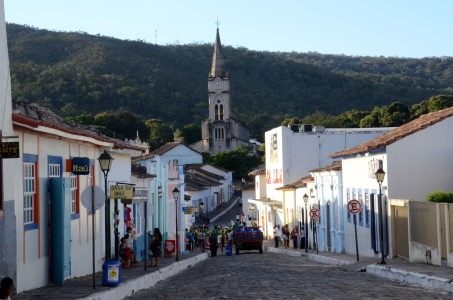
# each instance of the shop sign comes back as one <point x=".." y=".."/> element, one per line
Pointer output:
<point x="80" y="166"/>
<point x="9" y="150"/>
<point x="121" y="191"/>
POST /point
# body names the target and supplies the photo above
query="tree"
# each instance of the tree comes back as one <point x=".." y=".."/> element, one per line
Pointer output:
<point x="121" y="124"/>
<point x="440" y="102"/>
<point x="373" y="119"/>
<point x="159" y="133"/>
<point x="395" y="114"/>
<point x="290" y="121"/>
<point x="241" y="161"/>
<point x="188" y="134"/>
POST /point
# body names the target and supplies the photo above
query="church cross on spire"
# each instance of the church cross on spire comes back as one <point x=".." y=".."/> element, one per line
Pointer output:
<point x="218" y="63"/>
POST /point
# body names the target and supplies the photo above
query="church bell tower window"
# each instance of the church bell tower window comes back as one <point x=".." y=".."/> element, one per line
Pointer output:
<point x="221" y="112"/>
<point x="216" y="112"/>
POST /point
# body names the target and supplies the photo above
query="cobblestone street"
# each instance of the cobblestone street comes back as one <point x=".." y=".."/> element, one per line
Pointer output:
<point x="273" y="276"/>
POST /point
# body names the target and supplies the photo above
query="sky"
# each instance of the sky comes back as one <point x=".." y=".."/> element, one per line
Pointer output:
<point x="402" y="28"/>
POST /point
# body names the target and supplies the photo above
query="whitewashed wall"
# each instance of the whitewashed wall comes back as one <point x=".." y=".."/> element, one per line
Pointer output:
<point x="33" y="246"/>
<point x="355" y="175"/>
<point x="422" y="162"/>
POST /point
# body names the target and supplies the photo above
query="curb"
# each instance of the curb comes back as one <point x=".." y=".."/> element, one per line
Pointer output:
<point x="149" y="280"/>
<point x="313" y="257"/>
<point x="330" y="260"/>
<point x="423" y="280"/>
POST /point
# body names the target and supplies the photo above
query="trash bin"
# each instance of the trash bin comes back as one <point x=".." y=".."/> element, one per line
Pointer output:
<point x="111" y="272"/>
<point x="229" y="250"/>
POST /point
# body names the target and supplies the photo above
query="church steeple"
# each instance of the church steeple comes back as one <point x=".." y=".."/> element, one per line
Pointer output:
<point x="218" y="63"/>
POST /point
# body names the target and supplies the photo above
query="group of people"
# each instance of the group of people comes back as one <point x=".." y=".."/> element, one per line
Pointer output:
<point x="283" y="234"/>
<point x="126" y="248"/>
<point x="6" y="288"/>
<point x="204" y="238"/>
<point x="126" y="251"/>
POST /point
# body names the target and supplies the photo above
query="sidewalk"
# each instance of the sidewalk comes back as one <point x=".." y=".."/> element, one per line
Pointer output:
<point x="133" y="279"/>
<point x="397" y="269"/>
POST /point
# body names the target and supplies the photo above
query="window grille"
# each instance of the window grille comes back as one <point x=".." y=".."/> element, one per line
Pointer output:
<point x="54" y="170"/>
<point x="73" y="193"/>
<point x="29" y="192"/>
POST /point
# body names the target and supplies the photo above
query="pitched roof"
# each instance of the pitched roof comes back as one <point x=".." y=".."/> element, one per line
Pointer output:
<point x="198" y="169"/>
<point x="140" y="172"/>
<point x="259" y="171"/>
<point x="157" y="152"/>
<point x="249" y="186"/>
<point x="398" y="133"/>
<point x="33" y="115"/>
<point x="162" y="150"/>
<point x="335" y="166"/>
<point x="218" y="63"/>
<point x="300" y="183"/>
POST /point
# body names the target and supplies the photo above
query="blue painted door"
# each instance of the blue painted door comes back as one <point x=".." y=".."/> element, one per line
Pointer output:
<point x="60" y="229"/>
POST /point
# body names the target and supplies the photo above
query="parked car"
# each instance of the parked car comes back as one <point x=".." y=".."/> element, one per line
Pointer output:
<point x="248" y="238"/>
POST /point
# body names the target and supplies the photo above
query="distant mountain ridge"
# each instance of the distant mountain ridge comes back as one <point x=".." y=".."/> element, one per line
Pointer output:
<point x="75" y="73"/>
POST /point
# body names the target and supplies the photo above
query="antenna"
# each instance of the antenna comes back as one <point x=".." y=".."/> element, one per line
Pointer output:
<point x="155" y="36"/>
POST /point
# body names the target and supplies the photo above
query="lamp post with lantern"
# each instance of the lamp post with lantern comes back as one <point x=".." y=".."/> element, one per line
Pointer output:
<point x="380" y="174"/>
<point x="176" y="198"/>
<point x="105" y="162"/>
<point x="306" y="222"/>
<point x="201" y="204"/>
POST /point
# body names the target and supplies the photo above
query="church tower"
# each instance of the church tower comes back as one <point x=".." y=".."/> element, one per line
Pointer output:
<point x="220" y="132"/>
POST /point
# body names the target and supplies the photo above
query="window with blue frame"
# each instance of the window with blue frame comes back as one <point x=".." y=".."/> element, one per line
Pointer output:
<point x="31" y="195"/>
<point x="348" y="197"/>
<point x="360" y="198"/>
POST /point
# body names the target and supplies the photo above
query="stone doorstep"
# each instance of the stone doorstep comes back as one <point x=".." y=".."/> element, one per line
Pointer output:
<point x="146" y="281"/>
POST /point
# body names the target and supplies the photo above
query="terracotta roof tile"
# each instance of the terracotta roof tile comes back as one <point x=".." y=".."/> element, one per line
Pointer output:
<point x="300" y="183"/>
<point x="259" y="171"/>
<point x="335" y="166"/>
<point x="33" y="115"/>
<point x="397" y="133"/>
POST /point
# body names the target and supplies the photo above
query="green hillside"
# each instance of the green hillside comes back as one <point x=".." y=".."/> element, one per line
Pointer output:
<point x="75" y="73"/>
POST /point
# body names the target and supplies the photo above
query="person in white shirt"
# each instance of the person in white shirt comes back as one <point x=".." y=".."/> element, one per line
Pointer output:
<point x="277" y="235"/>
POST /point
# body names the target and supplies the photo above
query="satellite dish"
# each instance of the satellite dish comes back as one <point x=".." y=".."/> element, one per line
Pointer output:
<point x="99" y="198"/>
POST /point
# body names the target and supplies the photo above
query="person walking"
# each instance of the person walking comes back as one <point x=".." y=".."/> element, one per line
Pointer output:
<point x="155" y="246"/>
<point x="295" y="236"/>
<point x="285" y="236"/>
<point x="213" y="243"/>
<point x="277" y="235"/>
<point x="202" y="239"/>
<point x="302" y="237"/>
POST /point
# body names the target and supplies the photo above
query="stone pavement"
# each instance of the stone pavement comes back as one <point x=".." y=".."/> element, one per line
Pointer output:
<point x="251" y="275"/>
<point x="133" y="279"/>
<point x="398" y="269"/>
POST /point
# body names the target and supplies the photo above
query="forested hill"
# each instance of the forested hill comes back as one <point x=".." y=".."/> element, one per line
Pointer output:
<point x="75" y="73"/>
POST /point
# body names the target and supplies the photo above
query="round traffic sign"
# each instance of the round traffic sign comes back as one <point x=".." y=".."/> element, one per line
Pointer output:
<point x="354" y="206"/>
<point x="99" y="198"/>
<point x="315" y="214"/>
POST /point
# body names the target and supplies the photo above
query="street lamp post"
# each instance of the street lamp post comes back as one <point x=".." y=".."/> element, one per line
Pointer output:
<point x="306" y="223"/>
<point x="176" y="197"/>
<point x="380" y="174"/>
<point x="105" y="161"/>
<point x="201" y="212"/>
